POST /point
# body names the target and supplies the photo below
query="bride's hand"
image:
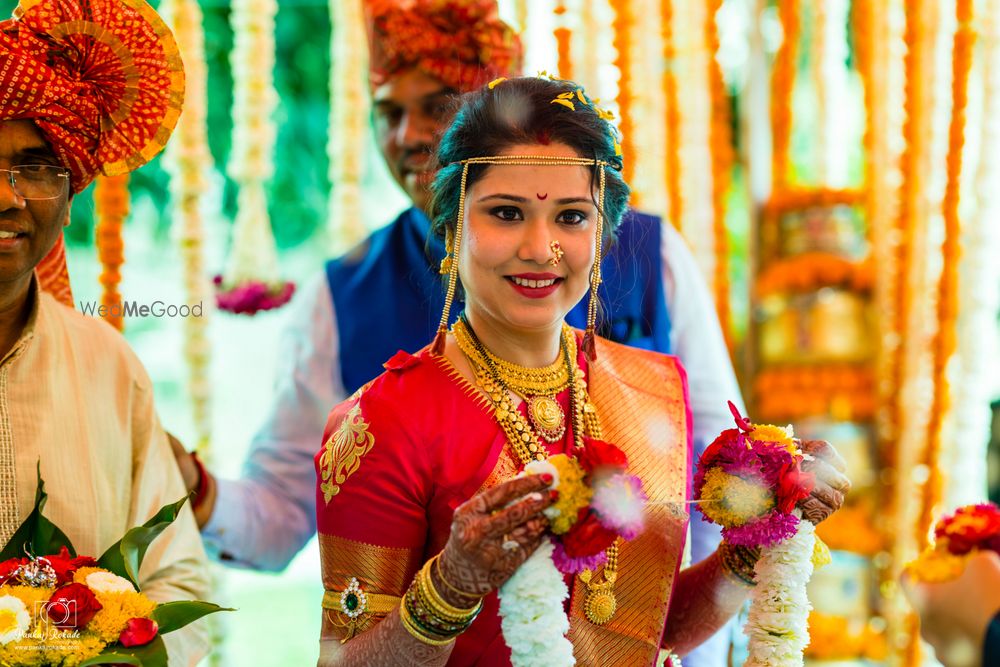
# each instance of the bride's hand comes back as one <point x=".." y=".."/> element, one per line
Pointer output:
<point x="832" y="483"/>
<point x="491" y="536"/>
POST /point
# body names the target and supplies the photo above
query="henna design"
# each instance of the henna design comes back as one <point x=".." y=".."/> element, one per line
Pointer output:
<point x="831" y="483"/>
<point x="387" y="643"/>
<point x="474" y="561"/>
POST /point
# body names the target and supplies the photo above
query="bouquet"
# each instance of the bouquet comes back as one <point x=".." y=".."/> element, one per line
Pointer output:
<point x="598" y="503"/>
<point x="62" y="609"/>
<point x="749" y="481"/>
<point x="970" y="529"/>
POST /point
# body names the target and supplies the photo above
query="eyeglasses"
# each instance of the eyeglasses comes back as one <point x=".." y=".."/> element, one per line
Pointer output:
<point x="38" y="181"/>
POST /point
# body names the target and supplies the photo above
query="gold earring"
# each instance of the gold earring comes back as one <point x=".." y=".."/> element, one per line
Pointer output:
<point x="449" y="249"/>
<point x="557" y="253"/>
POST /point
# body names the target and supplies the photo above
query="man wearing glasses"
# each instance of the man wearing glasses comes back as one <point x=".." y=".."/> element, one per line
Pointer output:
<point x="75" y="402"/>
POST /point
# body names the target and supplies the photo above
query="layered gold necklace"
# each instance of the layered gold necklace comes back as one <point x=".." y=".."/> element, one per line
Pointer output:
<point x="538" y="387"/>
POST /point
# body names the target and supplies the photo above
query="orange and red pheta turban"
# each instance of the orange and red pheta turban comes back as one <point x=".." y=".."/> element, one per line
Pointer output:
<point x="103" y="82"/>
<point x="462" y="43"/>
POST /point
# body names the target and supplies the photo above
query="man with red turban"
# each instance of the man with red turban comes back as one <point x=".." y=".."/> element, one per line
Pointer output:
<point x="85" y="88"/>
<point x="386" y="294"/>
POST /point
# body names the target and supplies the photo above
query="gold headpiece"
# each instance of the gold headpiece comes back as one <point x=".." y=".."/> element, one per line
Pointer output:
<point x="455" y="247"/>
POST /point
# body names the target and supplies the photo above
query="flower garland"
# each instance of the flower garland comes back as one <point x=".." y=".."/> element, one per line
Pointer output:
<point x="722" y="163"/>
<point x="564" y="41"/>
<point x="347" y="144"/>
<point x="782" y="87"/>
<point x="623" y="23"/>
<point x="943" y="346"/>
<point x="111" y="199"/>
<point x="188" y="161"/>
<point x="749" y="481"/>
<point x="811" y="271"/>
<point x="598" y="505"/>
<point x="958" y="536"/>
<point x="844" y="391"/>
<point x="251" y="282"/>
<point x="841" y="638"/>
<point x="675" y="200"/>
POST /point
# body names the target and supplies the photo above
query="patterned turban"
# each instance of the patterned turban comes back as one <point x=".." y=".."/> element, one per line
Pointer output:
<point x="463" y="43"/>
<point x="102" y="80"/>
<point x="104" y="83"/>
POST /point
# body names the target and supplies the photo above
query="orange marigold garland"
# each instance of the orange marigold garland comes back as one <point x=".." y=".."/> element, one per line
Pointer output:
<point x="564" y="41"/>
<point x="947" y="305"/>
<point x="675" y="202"/>
<point x="111" y="200"/>
<point x="722" y="163"/>
<point x="623" y="61"/>
<point x="782" y="87"/>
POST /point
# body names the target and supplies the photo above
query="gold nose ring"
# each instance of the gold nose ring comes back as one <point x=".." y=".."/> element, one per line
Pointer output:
<point x="557" y="253"/>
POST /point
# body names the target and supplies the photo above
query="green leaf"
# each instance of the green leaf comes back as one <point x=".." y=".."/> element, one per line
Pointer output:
<point x="124" y="557"/>
<point x="171" y="616"/>
<point x="153" y="654"/>
<point x="37" y="535"/>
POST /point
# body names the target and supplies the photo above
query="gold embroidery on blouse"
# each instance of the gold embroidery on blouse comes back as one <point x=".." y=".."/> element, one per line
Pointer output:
<point x="343" y="450"/>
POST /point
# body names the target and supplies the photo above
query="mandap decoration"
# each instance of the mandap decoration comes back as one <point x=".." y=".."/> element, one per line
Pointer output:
<point x="60" y="608"/>
<point x="599" y="504"/>
<point x="749" y="481"/>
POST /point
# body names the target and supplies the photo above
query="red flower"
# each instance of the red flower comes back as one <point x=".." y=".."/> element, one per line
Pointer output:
<point x="72" y="606"/>
<point x="793" y="485"/>
<point x="66" y="567"/>
<point x="969" y="527"/>
<point x="599" y="454"/>
<point x="587" y="537"/>
<point x="8" y="567"/>
<point x="138" y="632"/>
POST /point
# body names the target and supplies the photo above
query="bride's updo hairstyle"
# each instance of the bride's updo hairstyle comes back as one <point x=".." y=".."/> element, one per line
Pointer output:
<point x="525" y="111"/>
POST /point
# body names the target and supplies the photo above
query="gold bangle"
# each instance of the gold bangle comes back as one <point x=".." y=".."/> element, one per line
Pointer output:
<point x="415" y="632"/>
<point x="448" y="585"/>
<point x="438" y="606"/>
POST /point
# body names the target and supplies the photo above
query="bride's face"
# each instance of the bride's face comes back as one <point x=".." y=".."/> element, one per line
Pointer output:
<point x="513" y="214"/>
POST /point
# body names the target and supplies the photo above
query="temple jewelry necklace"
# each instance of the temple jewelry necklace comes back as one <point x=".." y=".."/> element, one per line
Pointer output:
<point x="600" y="603"/>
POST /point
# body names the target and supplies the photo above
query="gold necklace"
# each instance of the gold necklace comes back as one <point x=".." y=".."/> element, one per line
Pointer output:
<point x="600" y="602"/>
<point x="537" y="387"/>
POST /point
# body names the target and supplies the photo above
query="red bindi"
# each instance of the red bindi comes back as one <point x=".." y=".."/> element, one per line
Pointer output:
<point x="542" y="197"/>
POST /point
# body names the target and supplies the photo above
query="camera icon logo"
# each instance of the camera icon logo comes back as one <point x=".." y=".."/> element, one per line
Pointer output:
<point x="52" y="615"/>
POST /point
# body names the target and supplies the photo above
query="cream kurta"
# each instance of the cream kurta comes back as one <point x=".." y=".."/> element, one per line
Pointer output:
<point x="75" y="397"/>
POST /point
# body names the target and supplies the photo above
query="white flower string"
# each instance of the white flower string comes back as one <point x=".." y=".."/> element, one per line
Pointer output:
<point x="532" y="618"/>
<point x="347" y="143"/>
<point x="778" y="622"/>
<point x="188" y="161"/>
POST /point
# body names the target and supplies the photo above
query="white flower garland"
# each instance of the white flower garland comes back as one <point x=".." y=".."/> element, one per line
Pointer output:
<point x="778" y="622"/>
<point x="531" y="613"/>
<point x="188" y="161"/>
<point x="254" y="255"/>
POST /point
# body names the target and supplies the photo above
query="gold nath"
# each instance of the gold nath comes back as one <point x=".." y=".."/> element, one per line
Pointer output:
<point x="524" y="160"/>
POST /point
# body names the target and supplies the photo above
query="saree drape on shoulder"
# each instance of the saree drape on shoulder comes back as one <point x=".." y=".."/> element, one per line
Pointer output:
<point x="406" y="450"/>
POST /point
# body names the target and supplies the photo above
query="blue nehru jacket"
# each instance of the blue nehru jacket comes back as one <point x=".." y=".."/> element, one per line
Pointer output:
<point x="388" y="295"/>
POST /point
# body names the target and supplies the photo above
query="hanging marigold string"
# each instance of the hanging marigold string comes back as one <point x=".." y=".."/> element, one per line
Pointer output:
<point x="943" y="346"/>
<point x="564" y="41"/>
<point x="623" y="22"/>
<point x="111" y="201"/>
<point x="189" y="162"/>
<point x="722" y="163"/>
<point x="782" y="88"/>
<point x="675" y="201"/>
<point x="862" y="18"/>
